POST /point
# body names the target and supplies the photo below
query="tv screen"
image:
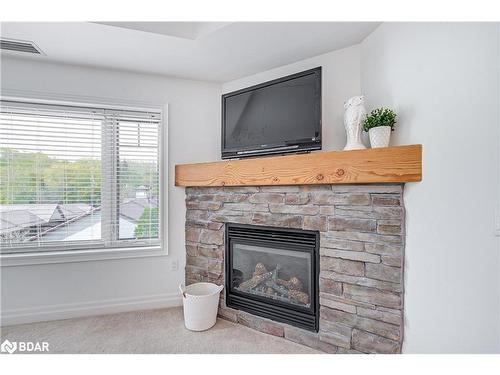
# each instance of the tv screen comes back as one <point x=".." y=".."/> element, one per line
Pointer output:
<point x="283" y="115"/>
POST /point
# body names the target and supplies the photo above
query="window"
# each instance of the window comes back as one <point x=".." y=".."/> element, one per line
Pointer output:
<point x="77" y="177"/>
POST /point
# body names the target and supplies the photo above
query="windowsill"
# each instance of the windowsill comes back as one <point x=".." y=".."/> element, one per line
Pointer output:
<point x="69" y="256"/>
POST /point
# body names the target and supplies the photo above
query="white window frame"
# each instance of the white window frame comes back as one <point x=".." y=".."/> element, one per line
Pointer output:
<point x="54" y="254"/>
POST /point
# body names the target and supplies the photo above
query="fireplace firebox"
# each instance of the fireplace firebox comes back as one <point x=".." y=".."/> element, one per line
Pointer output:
<point x="273" y="273"/>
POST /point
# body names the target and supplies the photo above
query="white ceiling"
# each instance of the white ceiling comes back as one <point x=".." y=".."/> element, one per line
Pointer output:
<point x="210" y="51"/>
<point x="188" y="30"/>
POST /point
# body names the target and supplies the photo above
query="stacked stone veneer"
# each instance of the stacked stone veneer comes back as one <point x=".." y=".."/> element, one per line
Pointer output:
<point x="361" y="256"/>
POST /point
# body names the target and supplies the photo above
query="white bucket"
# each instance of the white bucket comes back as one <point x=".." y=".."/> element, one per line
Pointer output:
<point x="200" y="301"/>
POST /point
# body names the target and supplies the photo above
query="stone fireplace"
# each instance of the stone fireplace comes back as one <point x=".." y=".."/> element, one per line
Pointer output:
<point x="352" y="296"/>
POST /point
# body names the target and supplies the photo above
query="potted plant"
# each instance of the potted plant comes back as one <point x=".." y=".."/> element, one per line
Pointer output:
<point x="379" y="125"/>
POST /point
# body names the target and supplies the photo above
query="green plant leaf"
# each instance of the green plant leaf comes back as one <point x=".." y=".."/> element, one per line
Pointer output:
<point x="380" y="117"/>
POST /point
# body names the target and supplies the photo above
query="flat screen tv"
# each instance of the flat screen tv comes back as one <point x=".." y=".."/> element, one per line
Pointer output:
<point x="275" y="117"/>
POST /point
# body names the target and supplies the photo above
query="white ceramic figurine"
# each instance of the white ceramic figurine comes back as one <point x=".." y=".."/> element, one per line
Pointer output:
<point x="354" y="115"/>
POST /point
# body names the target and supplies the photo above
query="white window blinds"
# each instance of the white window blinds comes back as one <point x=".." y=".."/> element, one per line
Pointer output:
<point x="78" y="177"/>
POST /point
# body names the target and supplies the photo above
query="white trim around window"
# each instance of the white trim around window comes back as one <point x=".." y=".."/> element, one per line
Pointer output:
<point x="94" y="253"/>
<point x="67" y="256"/>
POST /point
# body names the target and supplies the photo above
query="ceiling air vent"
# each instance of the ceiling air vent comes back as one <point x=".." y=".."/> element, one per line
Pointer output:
<point x="19" y="46"/>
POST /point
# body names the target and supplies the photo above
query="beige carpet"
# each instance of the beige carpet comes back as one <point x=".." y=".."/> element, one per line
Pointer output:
<point x="153" y="331"/>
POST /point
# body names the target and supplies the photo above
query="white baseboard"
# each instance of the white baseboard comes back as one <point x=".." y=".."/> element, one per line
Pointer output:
<point x="76" y="310"/>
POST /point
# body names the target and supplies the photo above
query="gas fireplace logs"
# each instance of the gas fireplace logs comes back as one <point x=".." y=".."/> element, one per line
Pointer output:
<point x="271" y="285"/>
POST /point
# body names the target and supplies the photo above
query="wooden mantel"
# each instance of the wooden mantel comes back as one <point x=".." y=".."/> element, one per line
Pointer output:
<point x="379" y="165"/>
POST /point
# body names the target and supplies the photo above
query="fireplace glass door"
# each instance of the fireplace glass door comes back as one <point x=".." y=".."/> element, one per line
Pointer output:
<point x="272" y="272"/>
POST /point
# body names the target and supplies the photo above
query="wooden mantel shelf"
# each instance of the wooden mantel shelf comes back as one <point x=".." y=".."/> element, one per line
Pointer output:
<point x="380" y="165"/>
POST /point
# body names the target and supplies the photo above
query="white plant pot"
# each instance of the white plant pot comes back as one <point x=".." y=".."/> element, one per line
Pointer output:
<point x="380" y="136"/>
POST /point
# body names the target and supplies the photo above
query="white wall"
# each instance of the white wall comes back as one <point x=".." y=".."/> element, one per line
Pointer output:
<point x="498" y="203"/>
<point x="443" y="81"/>
<point x="37" y="291"/>
<point x="340" y="81"/>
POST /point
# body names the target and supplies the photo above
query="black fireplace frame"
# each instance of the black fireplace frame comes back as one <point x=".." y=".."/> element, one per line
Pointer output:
<point x="283" y="238"/>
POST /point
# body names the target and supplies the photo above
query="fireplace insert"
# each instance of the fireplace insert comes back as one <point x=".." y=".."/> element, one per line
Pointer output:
<point x="273" y="273"/>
